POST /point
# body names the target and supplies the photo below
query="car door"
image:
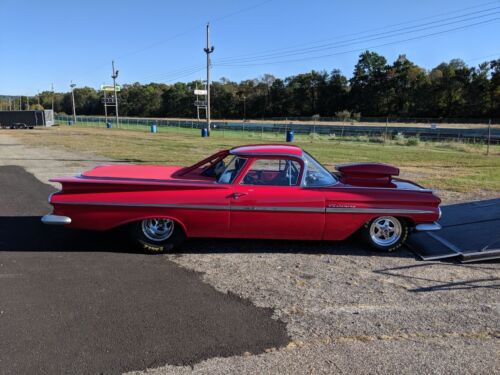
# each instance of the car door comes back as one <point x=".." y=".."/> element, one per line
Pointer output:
<point x="268" y="202"/>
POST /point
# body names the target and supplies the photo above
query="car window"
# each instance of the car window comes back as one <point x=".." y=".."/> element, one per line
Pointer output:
<point x="232" y="170"/>
<point x="214" y="168"/>
<point x="273" y="172"/>
<point x="316" y="174"/>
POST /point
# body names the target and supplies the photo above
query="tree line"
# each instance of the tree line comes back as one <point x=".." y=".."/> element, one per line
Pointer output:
<point x="376" y="89"/>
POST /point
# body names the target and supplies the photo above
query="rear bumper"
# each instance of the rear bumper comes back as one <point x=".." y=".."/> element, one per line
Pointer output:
<point x="427" y="227"/>
<point x="56" y="220"/>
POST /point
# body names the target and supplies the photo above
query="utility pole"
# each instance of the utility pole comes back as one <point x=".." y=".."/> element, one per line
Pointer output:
<point x="244" y="107"/>
<point x="52" y="98"/>
<point x="115" y="76"/>
<point x="105" y="104"/>
<point x="489" y="138"/>
<point x="208" y="50"/>
<point x="72" y="85"/>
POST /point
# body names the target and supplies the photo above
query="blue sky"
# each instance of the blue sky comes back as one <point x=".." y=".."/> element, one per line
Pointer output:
<point x="161" y="41"/>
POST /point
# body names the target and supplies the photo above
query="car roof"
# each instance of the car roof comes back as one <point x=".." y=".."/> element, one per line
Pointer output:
<point x="267" y="149"/>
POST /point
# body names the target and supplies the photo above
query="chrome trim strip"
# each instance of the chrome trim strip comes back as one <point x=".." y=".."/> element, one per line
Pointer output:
<point x="256" y="208"/>
<point x="375" y="210"/>
<point x="201" y="206"/>
<point x="419" y="190"/>
<point x="56" y="220"/>
<point x="427" y="227"/>
<point x="50" y="196"/>
<point x="151" y="205"/>
<point x="277" y="209"/>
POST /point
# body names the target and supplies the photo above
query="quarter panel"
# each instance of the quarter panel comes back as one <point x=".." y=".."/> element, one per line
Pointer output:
<point x="202" y="210"/>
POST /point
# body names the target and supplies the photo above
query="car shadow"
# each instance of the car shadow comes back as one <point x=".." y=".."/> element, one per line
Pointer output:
<point x="27" y="233"/>
<point x="352" y="246"/>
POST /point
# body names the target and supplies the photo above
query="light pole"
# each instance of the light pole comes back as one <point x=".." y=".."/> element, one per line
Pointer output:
<point x="244" y="107"/>
<point x="72" y="85"/>
<point x="208" y="51"/>
<point x="115" y="76"/>
<point x="52" y="99"/>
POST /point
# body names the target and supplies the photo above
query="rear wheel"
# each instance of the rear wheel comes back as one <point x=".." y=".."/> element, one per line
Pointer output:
<point x="385" y="233"/>
<point x="157" y="235"/>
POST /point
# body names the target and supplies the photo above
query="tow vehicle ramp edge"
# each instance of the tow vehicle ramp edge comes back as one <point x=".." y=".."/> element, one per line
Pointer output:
<point x="470" y="234"/>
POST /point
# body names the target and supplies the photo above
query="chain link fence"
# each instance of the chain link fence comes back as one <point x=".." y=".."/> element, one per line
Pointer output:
<point x="375" y="129"/>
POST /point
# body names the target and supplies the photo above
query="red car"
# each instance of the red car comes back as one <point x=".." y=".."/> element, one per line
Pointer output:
<point x="253" y="191"/>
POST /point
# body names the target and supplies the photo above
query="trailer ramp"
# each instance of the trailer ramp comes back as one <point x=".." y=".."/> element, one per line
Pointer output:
<point x="470" y="233"/>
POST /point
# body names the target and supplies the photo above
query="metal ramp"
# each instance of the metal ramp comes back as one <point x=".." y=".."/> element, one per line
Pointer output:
<point x="471" y="233"/>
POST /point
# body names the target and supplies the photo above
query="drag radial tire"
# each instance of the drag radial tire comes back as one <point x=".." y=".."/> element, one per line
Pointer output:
<point x="157" y="235"/>
<point x="385" y="233"/>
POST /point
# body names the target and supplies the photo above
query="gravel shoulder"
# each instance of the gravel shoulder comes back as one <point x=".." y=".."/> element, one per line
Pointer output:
<point x="347" y="310"/>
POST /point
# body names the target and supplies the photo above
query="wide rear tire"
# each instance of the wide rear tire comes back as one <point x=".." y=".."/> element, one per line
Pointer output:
<point x="157" y="235"/>
<point x="385" y="233"/>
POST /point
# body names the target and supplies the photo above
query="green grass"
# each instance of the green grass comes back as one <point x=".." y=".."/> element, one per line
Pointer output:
<point x="447" y="166"/>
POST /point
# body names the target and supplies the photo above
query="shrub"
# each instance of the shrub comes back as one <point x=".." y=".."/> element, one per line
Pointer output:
<point x="343" y="115"/>
<point x="314" y="136"/>
<point x="413" y="141"/>
<point x="400" y="139"/>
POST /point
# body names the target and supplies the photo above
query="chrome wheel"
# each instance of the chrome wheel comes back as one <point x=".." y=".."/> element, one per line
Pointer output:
<point x="157" y="230"/>
<point x="385" y="231"/>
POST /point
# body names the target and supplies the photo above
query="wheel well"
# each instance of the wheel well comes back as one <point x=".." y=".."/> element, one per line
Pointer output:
<point x="137" y="220"/>
<point x="407" y="220"/>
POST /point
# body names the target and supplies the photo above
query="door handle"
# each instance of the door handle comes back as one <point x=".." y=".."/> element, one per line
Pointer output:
<point x="237" y="195"/>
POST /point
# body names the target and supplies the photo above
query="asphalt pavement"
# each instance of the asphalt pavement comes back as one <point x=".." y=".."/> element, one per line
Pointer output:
<point x="76" y="302"/>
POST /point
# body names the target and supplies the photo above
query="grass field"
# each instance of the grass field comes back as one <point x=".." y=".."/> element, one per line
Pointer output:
<point x="452" y="167"/>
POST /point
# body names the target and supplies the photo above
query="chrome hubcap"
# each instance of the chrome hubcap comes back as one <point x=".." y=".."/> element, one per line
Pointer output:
<point x="157" y="229"/>
<point x="385" y="231"/>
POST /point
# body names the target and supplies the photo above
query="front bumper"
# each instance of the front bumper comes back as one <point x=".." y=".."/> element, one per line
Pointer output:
<point x="427" y="227"/>
<point x="56" y="220"/>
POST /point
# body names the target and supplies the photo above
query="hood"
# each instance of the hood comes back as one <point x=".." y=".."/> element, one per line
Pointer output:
<point x="131" y="171"/>
<point x="367" y="174"/>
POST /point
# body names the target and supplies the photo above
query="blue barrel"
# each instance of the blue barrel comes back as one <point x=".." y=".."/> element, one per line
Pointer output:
<point x="70" y="122"/>
<point x="109" y="125"/>
<point x="204" y="132"/>
<point x="153" y="128"/>
<point x="289" y="135"/>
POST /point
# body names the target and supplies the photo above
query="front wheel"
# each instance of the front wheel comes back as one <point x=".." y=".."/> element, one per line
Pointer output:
<point x="157" y="235"/>
<point x="385" y="233"/>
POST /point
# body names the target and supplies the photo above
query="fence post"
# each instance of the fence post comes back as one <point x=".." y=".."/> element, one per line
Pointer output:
<point x="489" y="138"/>
<point x="386" y="126"/>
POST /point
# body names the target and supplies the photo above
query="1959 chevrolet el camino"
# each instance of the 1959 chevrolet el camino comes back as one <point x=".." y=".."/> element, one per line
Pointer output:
<point x="253" y="191"/>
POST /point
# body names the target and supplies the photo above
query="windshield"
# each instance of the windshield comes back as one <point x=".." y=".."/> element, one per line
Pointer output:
<point x="232" y="170"/>
<point x="316" y="174"/>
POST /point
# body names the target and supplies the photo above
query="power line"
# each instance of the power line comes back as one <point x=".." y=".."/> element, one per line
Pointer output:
<point x="364" y="48"/>
<point x="369" y="30"/>
<point x="483" y="57"/>
<point x="384" y="35"/>
<point x="180" y="73"/>
<point x="177" y="35"/>
<point x="177" y="72"/>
